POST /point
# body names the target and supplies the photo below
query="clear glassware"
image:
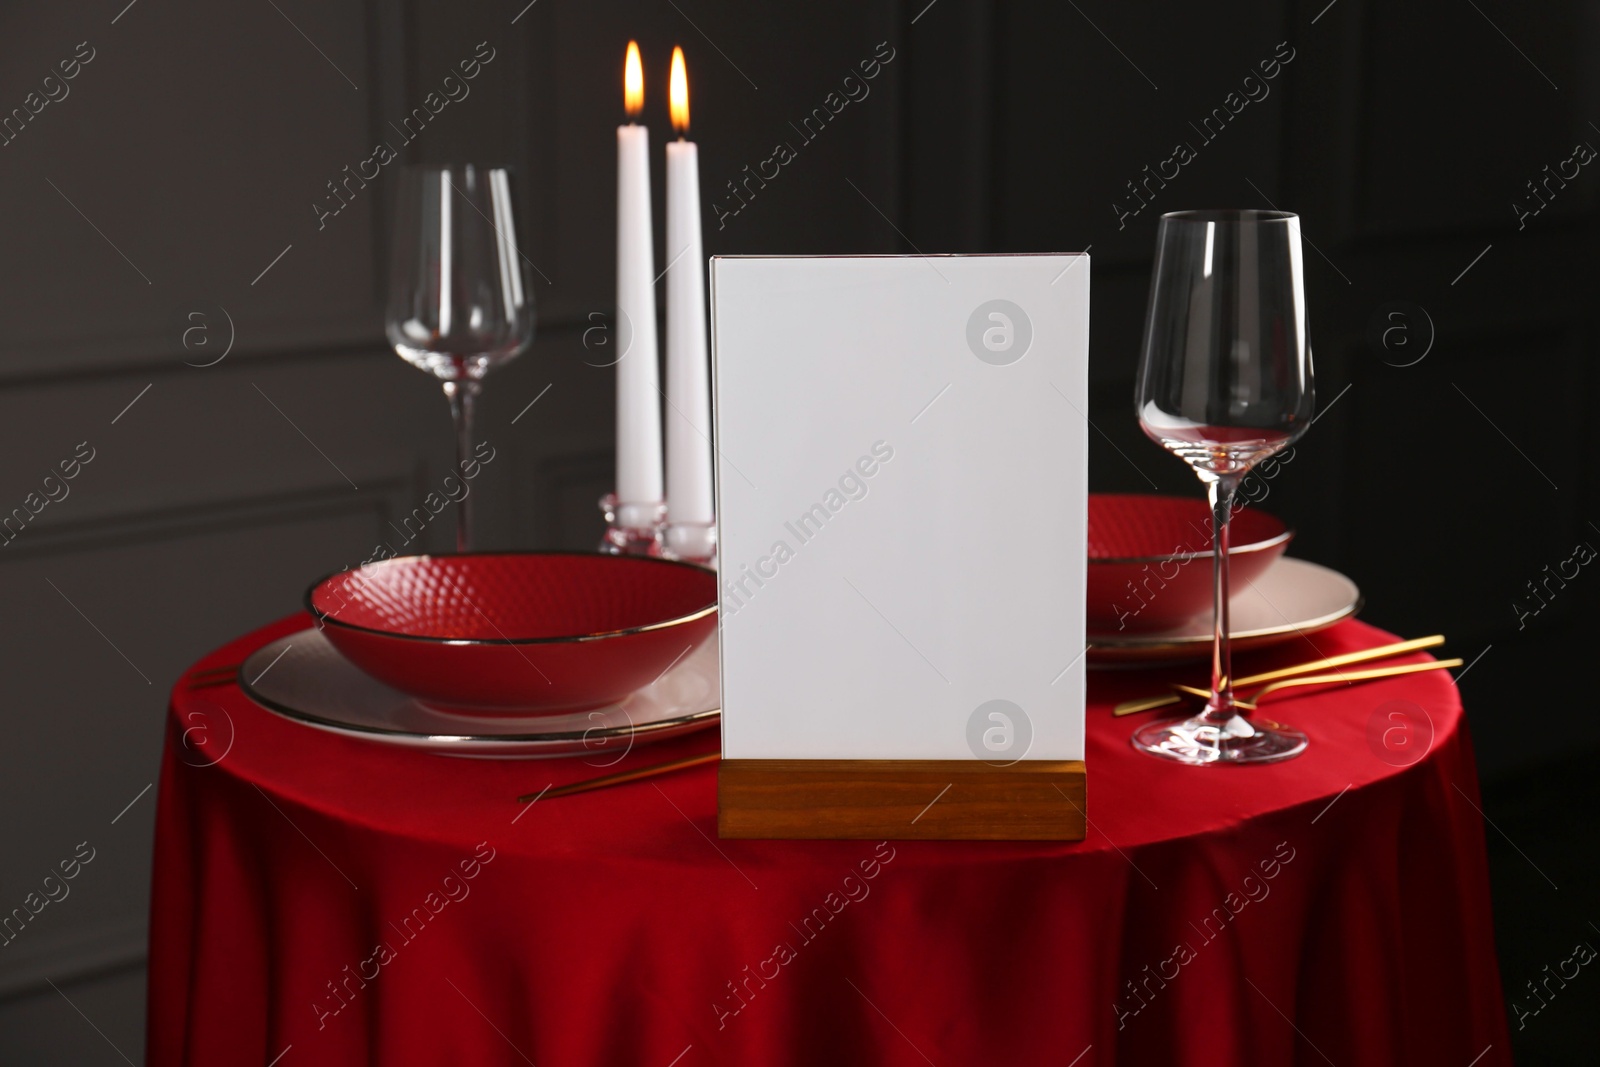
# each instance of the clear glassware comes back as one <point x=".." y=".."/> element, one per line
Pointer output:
<point x="632" y="529"/>
<point x="460" y="302"/>
<point x="691" y="542"/>
<point x="1225" y="381"/>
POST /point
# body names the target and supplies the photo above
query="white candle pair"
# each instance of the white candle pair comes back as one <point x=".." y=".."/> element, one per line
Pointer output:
<point x="639" y="466"/>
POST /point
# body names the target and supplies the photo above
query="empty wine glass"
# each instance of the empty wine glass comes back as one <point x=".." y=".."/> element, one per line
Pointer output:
<point x="1225" y="381"/>
<point x="460" y="302"/>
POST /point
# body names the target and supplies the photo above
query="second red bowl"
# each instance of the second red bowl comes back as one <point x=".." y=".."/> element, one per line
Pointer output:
<point x="1150" y="558"/>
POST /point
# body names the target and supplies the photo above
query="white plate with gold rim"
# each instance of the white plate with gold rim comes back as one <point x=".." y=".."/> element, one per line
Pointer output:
<point x="1294" y="597"/>
<point x="304" y="678"/>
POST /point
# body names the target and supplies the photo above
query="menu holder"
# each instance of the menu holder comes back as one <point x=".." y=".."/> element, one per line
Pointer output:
<point x="902" y="493"/>
<point x="901" y="799"/>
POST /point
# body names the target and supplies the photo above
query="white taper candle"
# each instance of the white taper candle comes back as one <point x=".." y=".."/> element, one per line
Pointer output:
<point x="638" y="374"/>
<point x="689" y="497"/>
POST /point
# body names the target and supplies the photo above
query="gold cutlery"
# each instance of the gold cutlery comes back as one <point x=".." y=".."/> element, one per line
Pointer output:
<point x="634" y="775"/>
<point x="1398" y="648"/>
<point x="1330" y="679"/>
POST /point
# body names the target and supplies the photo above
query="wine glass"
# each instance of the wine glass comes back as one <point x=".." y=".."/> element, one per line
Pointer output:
<point x="1224" y="382"/>
<point x="460" y="302"/>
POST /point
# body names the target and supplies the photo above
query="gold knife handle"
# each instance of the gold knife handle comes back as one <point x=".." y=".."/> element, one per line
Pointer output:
<point x="1397" y="648"/>
<point x="1356" y="676"/>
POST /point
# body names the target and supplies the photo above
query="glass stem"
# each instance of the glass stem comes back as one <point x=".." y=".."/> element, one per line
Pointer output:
<point x="461" y="393"/>
<point x="1220" y="489"/>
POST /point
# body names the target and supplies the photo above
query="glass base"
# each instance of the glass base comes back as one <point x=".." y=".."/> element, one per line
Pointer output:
<point x="632" y="529"/>
<point x="691" y="542"/>
<point x="1201" y="743"/>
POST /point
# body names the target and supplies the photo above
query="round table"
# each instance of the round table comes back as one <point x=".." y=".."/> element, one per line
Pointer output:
<point x="329" y="900"/>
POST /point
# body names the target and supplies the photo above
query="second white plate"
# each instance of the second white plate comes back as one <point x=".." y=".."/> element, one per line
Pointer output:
<point x="1293" y="597"/>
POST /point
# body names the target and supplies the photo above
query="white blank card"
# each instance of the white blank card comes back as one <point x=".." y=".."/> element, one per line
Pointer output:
<point x="902" y="488"/>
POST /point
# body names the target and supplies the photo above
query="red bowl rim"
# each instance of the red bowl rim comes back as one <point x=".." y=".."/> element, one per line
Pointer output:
<point x="1184" y="557"/>
<point x="324" y="619"/>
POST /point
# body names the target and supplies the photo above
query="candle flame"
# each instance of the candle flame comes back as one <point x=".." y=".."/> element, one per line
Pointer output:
<point x="678" y="93"/>
<point x="633" y="81"/>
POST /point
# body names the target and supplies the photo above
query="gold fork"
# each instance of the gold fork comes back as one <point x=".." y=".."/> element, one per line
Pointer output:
<point x="1329" y="679"/>
<point x="1398" y="648"/>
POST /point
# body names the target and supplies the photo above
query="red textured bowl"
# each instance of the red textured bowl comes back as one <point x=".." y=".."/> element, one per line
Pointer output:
<point x="1150" y="558"/>
<point x="522" y="632"/>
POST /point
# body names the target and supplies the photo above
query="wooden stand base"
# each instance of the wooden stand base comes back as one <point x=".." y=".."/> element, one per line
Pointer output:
<point x="1033" y="800"/>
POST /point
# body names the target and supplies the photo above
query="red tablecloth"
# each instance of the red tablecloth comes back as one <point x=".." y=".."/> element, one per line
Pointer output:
<point x="354" y="903"/>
